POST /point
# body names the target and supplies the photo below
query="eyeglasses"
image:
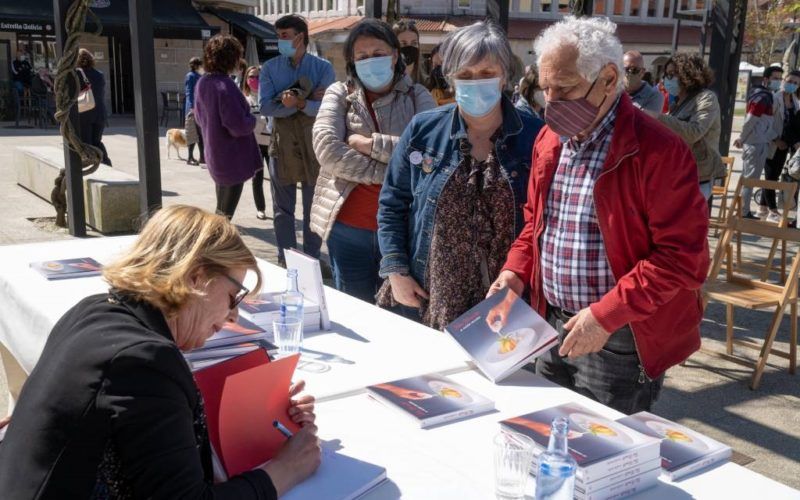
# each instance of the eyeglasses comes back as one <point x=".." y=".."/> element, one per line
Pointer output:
<point x="633" y="70"/>
<point x="240" y="295"/>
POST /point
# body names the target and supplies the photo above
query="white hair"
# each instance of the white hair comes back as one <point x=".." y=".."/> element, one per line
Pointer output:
<point x="594" y="37"/>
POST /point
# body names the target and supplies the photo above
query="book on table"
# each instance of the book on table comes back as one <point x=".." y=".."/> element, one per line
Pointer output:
<point x="499" y="348"/>
<point x="67" y="268"/>
<point x="430" y="399"/>
<point x="339" y="477"/>
<point x="611" y="457"/>
<point x="309" y="281"/>
<point x="265" y="307"/>
<point x="683" y="450"/>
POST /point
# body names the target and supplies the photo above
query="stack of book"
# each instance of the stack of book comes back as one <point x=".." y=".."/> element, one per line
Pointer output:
<point x="266" y="307"/>
<point x="683" y="451"/>
<point x="233" y="340"/>
<point x="430" y="399"/>
<point x="613" y="460"/>
<point x="67" y="268"/>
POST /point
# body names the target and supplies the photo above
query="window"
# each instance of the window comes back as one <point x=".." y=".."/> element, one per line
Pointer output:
<point x="464" y="4"/>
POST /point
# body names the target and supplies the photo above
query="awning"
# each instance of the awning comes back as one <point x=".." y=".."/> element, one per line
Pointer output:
<point x="171" y="18"/>
<point x="249" y="23"/>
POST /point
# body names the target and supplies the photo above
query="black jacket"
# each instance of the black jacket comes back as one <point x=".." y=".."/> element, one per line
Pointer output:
<point x="111" y="410"/>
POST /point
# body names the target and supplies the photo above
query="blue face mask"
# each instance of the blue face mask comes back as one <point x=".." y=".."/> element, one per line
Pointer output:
<point x="790" y="88"/>
<point x="672" y="86"/>
<point x="774" y="85"/>
<point x="286" y="48"/>
<point x="478" y="98"/>
<point x="376" y="73"/>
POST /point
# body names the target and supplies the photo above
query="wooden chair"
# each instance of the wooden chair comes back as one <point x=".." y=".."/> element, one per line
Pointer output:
<point x="736" y="289"/>
<point x="718" y="223"/>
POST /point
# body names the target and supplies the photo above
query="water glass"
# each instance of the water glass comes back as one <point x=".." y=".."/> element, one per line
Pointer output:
<point x="513" y="456"/>
<point x="288" y="335"/>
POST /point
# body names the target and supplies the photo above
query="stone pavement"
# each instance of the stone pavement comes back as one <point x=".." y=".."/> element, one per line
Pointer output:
<point x="708" y="394"/>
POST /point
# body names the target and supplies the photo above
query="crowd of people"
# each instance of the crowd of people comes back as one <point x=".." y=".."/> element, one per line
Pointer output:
<point x="432" y="190"/>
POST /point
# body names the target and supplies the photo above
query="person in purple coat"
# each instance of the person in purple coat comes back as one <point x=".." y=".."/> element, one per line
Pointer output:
<point x="224" y="116"/>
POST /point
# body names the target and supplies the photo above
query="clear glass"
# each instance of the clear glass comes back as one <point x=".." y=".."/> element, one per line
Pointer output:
<point x="288" y="336"/>
<point x="292" y="298"/>
<point x="555" y="475"/>
<point x="513" y="456"/>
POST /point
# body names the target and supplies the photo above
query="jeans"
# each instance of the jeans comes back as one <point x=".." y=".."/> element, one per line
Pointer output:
<point x="754" y="156"/>
<point x="613" y="376"/>
<point x="355" y="259"/>
<point x="284" y="198"/>
<point x="228" y="199"/>
<point x="705" y="189"/>
<point x="772" y="172"/>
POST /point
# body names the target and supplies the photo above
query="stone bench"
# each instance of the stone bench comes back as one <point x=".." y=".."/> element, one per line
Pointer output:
<point x="111" y="196"/>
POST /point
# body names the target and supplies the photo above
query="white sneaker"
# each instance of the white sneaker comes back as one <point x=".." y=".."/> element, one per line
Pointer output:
<point x="762" y="212"/>
<point x="774" y="217"/>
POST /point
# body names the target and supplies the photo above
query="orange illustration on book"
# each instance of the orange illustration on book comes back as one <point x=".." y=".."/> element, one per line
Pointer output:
<point x="86" y="266"/>
<point x="507" y="344"/>
<point x="674" y="435"/>
<point x="601" y="430"/>
<point x="538" y="427"/>
<point x="404" y="393"/>
<point x="449" y="392"/>
<point x="236" y="327"/>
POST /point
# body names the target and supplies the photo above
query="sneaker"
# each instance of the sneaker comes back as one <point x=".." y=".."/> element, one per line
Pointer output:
<point x="762" y="212"/>
<point x="774" y="217"/>
<point x="749" y="215"/>
<point x="260" y="215"/>
<point x="191" y="161"/>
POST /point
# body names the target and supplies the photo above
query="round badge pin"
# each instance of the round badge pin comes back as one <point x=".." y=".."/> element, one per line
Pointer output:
<point x="415" y="158"/>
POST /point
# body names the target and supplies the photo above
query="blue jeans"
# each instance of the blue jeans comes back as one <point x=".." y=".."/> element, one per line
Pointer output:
<point x="284" y="198"/>
<point x="355" y="259"/>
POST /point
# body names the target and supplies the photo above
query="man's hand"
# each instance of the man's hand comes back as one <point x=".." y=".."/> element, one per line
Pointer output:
<point x="585" y="335"/>
<point x="406" y="290"/>
<point x="498" y="315"/>
<point x="737" y="143"/>
<point x="507" y="279"/>
<point x="361" y="144"/>
<point x="289" y="100"/>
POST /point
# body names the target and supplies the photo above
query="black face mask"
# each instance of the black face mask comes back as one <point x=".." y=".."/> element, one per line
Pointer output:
<point x="437" y="78"/>
<point x="410" y="54"/>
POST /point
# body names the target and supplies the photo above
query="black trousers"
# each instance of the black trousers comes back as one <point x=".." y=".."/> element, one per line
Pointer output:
<point x="613" y="376"/>
<point x="772" y="172"/>
<point x="228" y="198"/>
<point x="92" y="133"/>
<point x="258" y="183"/>
<point x="199" y="146"/>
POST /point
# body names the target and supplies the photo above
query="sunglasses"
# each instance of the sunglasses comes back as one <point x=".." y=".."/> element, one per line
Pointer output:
<point x="240" y="295"/>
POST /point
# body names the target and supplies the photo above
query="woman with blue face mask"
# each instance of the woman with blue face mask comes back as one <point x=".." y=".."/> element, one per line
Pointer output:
<point x="694" y="115"/>
<point x="358" y="126"/>
<point x="787" y="124"/>
<point x="451" y="204"/>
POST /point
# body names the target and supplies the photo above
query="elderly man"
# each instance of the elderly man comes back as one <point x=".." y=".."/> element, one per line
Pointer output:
<point x="614" y="245"/>
<point x="644" y="96"/>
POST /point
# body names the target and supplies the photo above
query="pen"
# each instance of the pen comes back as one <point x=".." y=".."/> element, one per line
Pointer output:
<point x="282" y="428"/>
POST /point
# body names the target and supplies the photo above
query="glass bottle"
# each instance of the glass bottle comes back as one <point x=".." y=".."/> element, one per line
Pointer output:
<point x="555" y="477"/>
<point x="292" y="298"/>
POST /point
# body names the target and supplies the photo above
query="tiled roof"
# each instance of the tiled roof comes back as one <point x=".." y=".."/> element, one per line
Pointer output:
<point x="323" y="24"/>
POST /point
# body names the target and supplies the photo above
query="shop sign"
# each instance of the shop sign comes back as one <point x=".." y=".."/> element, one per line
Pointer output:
<point x="18" y="26"/>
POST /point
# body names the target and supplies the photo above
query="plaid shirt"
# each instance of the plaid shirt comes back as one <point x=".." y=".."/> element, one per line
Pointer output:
<point x="575" y="270"/>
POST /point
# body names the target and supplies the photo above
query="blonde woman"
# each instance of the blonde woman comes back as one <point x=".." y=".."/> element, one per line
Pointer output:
<point x="111" y="409"/>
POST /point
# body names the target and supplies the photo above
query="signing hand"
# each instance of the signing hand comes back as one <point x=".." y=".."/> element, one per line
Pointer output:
<point x="301" y="410"/>
<point x="737" y="143"/>
<point x="406" y="290"/>
<point x="289" y="100"/>
<point x="585" y="335"/>
<point x="498" y="315"/>
<point x="298" y="458"/>
<point x="360" y="143"/>
<point x="507" y="279"/>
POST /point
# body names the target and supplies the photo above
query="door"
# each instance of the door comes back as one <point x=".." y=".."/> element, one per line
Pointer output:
<point x="119" y="46"/>
<point x="6" y="109"/>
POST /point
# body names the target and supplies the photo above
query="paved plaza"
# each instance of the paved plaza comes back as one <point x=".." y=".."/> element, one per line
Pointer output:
<point x="707" y="394"/>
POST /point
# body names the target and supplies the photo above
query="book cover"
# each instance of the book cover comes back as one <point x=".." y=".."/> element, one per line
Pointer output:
<point x="309" y="280"/>
<point x="622" y="476"/>
<point x="340" y="477"/>
<point x="600" y="446"/>
<point x="251" y="400"/>
<point x="262" y="308"/>
<point x="234" y="333"/>
<point x="221" y="353"/>
<point x="501" y="334"/>
<point x="67" y="268"/>
<point x="430" y="399"/>
<point x="683" y="450"/>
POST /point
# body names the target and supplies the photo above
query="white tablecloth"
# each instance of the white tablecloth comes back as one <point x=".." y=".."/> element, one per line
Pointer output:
<point x="365" y="346"/>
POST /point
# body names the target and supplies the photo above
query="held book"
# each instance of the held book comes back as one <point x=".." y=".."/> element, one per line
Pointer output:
<point x="67" y="268"/>
<point x="261" y="310"/>
<point x="601" y="447"/>
<point x="683" y="450"/>
<point x="242" y="396"/>
<point x="430" y="399"/>
<point x="501" y="334"/>
<point x="309" y="280"/>
<point x="339" y="477"/>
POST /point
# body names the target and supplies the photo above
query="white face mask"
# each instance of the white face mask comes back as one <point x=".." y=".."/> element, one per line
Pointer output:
<point x="538" y="97"/>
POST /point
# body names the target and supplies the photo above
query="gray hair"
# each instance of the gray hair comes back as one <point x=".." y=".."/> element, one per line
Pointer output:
<point x="594" y="37"/>
<point x="471" y="44"/>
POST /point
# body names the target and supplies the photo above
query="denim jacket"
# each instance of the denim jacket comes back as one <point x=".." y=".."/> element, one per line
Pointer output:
<point x="422" y="162"/>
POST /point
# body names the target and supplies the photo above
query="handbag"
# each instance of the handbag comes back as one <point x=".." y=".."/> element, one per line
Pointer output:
<point x="262" y="131"/>
<point x="793" y="167"/>
<point x="85" y="95"/>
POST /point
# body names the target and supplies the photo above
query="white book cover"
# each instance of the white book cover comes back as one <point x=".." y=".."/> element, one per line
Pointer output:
<point x="683" y="450"/>
<point x="309" y="280"/>
<point x="625" y="474"/>
<point x="502" y="334"/>
<point x="623" y="489"/>
<point x="339" y="477"/>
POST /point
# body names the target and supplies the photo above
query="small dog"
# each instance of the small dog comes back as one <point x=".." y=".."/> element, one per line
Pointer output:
<point x="176" y="138"/>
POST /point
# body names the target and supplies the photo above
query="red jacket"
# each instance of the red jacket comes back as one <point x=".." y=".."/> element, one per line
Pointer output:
<point x="654" y="223"/>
